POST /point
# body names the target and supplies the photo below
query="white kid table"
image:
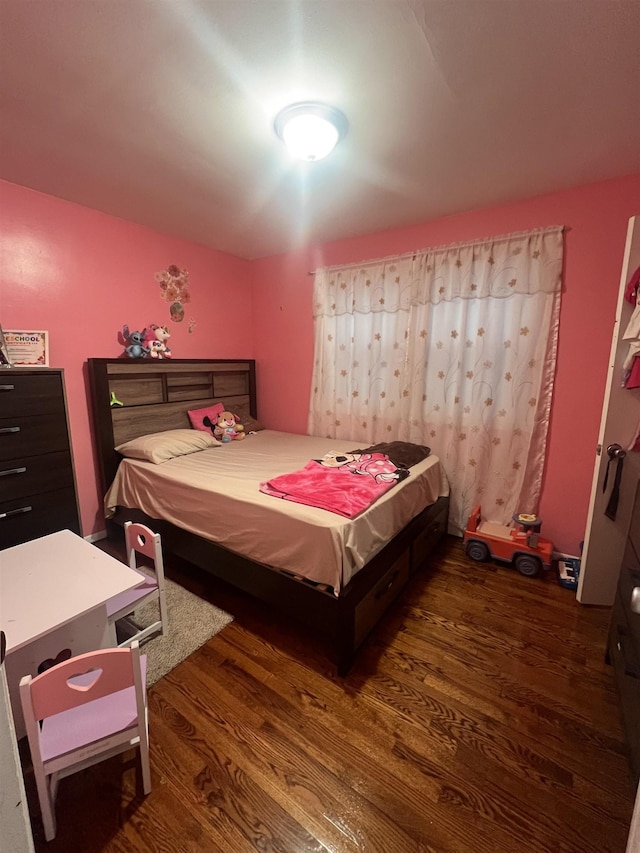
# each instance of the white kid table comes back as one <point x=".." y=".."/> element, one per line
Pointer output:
<point x="53" y="594"/>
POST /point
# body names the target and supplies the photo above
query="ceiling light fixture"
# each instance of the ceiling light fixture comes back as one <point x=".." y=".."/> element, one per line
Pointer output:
<point x="310" y="131"/>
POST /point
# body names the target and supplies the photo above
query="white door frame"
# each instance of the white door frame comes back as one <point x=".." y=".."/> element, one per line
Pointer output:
<point x="605" y="539"/>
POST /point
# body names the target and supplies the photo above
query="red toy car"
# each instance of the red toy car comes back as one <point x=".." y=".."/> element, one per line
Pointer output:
<point x="521" y="545"/>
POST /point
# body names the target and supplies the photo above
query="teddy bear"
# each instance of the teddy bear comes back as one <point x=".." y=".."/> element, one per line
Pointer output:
<point x="227" y="427"/>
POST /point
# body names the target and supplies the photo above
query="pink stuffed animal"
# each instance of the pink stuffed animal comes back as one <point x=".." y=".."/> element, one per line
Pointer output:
<point x="156" y="341"/>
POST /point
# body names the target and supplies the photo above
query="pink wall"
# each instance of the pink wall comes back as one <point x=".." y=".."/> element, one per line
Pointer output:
<point x="81" y="275"/>
<point x="596" y="217"/>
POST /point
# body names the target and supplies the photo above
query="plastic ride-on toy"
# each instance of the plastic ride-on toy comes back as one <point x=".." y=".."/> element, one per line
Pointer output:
<point x="521" y="545"/>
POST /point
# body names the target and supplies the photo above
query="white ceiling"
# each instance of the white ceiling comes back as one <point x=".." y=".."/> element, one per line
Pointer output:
<point x="161" y="111"/>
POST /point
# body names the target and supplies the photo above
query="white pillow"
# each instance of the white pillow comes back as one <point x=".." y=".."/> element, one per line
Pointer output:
<point x="159" y="447"/>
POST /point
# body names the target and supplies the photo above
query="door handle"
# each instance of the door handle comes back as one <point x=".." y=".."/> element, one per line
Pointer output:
<point x="616" y="454"/>
<point x="635" y="599"/>
<point x="615" y="451"/>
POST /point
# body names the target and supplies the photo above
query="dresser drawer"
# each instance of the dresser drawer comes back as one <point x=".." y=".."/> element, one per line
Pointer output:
<point x="32" y="436"/>
<point x="628" y="581"/>
<point x="631" y="557"/>
<point x="30" y="394"/>
<point x="634" y="527"/>
<point x="28" y="475"/>
<point x="624" y="656"/>
<point x="622" y="640"/>
<point x="38" y="515"/>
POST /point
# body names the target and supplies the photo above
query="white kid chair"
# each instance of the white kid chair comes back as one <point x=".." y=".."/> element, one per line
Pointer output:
<point x="83" y="711"/>
<point x="139" y="539"/>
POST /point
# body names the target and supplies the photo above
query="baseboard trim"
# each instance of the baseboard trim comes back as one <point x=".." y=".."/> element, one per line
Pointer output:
<point x="96" y="537"/>
<point x="558" y="555"/>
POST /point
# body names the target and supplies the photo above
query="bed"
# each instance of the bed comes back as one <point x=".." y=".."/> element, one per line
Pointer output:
<point x="339" y="574"/>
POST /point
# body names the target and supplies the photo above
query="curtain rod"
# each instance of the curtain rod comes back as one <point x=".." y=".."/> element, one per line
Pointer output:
<point x="442" y="248"/>
<point x="372" y="261"/>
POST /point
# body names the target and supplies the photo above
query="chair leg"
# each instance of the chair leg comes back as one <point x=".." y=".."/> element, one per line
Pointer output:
<point x="164" y="613"/>
<point x="54" y="779"/>
<point x="46" y="801"/>
<point x="146" y="772"/>
<point x="144" y="762"/>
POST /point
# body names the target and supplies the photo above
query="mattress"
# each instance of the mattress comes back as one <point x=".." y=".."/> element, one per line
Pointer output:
<point x="215" y="494"/>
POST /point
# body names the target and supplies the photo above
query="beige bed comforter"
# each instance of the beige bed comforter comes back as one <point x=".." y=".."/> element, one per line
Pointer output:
<point x="215" y="494"/>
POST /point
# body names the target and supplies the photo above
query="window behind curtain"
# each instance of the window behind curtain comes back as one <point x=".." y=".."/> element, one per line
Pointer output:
<point x="453" y="348"/>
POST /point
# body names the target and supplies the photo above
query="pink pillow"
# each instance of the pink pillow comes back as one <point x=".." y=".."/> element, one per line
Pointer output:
<point x="197" y="416"/>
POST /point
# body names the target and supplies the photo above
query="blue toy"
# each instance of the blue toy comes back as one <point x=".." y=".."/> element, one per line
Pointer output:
<point x="568" y="572"/>
<point x="135" y="343"/>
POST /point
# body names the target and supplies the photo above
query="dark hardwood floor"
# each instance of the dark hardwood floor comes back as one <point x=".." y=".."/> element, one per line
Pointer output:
<point x="479" y="717"/>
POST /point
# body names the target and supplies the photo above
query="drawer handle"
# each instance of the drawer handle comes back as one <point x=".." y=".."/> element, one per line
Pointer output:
<point x="7" y="387"/>
<point x="385" y="589"/>
<point x="12" y="471"/>
<point x="5" y="430"/>
<point x="15" y="511"/>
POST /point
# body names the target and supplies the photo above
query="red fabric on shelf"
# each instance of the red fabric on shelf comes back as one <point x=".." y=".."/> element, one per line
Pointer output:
<point x="632" y="286"/>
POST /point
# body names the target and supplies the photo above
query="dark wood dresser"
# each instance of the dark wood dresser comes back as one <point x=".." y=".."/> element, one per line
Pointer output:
<point x="624" y="638"/>
<point x="37" y="480"/>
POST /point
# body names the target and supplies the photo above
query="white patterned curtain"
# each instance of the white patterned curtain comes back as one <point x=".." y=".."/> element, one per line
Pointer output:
<point x="453" y="347"/>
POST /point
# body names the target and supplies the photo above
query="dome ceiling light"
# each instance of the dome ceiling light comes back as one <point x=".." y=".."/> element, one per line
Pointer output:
<point x="310" y="131"/>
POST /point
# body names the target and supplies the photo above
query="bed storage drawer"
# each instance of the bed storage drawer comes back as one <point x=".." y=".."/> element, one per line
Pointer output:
<point x="426" y="541"/>
<point x="384" y="593"/>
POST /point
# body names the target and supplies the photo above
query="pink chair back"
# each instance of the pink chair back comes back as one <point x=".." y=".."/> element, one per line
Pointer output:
<point x="80" y="680"/>
<point x="140" y="538"/>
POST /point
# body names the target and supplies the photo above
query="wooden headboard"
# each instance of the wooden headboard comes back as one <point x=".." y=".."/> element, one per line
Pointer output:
<point x="156" y="395"/>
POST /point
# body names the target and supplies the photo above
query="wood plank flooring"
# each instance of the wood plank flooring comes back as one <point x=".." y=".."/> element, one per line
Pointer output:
<point x="479" y="717"/>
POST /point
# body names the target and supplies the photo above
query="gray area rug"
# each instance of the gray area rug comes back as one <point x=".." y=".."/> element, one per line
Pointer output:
<point x="192" y="622"/>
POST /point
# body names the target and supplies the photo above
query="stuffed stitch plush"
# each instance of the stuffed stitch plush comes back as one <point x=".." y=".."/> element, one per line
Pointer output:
<point x="135" y="343"/>
<point x="227" y="427"/>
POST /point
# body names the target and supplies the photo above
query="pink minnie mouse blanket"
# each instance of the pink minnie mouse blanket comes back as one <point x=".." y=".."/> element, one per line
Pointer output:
<point x="344" y="483"/>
